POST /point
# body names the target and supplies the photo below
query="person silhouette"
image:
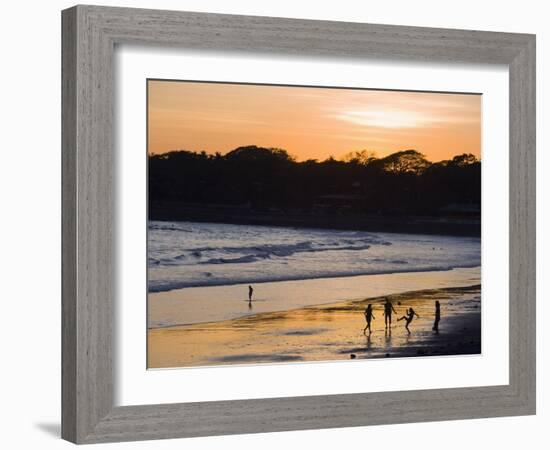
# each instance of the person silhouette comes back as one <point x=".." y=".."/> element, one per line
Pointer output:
<point x="388" y="308"/>
<point x="368" y="317"/>
<point x="437" y="316"/>
<point x="408" y="318"/>
<point x="250" y="292"/>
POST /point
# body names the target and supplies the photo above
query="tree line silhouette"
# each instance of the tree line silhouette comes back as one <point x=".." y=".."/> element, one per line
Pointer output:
<point x="269" y="180"/>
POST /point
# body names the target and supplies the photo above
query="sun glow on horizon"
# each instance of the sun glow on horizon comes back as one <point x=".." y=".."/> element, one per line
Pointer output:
<point x="387" y="118"/>
<point x="309" y="122"/>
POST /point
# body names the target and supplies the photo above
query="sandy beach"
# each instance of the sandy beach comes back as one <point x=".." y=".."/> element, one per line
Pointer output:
<point x="326" y="332"/>
<point x="220" y="303"/>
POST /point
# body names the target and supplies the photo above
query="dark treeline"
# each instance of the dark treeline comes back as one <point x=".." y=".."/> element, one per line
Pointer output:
<point x="267" y="180"/>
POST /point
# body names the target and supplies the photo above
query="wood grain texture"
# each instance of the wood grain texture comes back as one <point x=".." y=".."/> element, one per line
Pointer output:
<point x="87" y="241"/>
<point x="68" y="224"/>
<point x="89" y="37"/>
<point x="523" y="224"/>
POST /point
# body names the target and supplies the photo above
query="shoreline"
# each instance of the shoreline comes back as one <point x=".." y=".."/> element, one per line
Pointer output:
<point x="327" y="332"/>
<point x="312" y="278"/>
<point x="189" y="306"/>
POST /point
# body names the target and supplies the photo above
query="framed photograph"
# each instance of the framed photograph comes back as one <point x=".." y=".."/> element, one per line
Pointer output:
<point x="278" y="224"/>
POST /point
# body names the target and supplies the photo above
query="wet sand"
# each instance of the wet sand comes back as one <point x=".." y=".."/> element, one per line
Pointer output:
<point x="189" y="306"/>
<point x="326" y="333"/>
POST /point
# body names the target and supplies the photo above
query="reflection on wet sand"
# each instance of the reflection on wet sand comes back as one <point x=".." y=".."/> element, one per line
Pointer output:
<point x="327" y="333"/>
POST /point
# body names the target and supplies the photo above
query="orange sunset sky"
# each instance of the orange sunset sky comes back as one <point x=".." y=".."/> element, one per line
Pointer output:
<point x="310" y="123"/>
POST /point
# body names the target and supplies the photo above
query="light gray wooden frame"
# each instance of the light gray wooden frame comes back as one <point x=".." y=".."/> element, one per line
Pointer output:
<point x="89" y="37"/>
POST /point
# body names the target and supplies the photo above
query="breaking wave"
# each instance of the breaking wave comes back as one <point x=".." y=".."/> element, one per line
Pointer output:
<point x="186" y="254"/>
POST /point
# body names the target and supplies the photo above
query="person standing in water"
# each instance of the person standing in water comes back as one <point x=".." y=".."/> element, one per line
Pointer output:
<point x="388" y="308"/>
<point x="250" y="292"/>
<point x="368" y="317"/>
<point x="408" y="318"/>
<point x="437" y="316"/>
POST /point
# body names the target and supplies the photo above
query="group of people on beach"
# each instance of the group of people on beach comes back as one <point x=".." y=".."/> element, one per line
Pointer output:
<point x="408" y="317"/>
<point x="388" y="310"/>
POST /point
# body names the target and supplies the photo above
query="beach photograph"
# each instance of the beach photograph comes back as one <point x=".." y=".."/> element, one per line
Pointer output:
<point x="291" y="224"/>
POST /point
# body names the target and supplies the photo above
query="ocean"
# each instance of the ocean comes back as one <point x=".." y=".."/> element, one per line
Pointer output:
<point x="187" y="254"/>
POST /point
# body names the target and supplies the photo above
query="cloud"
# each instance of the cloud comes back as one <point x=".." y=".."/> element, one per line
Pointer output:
<point x="388" y="118"/>
<point x="406" y="110"/>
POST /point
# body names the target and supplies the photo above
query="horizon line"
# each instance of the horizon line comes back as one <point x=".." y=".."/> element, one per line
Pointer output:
<point x="339" y="158"/>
